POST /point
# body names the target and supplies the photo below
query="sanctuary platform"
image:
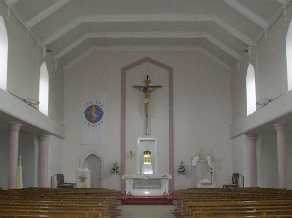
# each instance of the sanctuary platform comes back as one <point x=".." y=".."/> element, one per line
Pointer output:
<point x="147" y="200"/>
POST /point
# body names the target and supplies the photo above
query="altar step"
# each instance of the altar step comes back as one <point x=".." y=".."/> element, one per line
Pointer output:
<point x="147" y="211"/>
<point x="147" y="200"/>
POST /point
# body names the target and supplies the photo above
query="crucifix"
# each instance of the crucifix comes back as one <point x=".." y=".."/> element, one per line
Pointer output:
<point x="147" y="89"/>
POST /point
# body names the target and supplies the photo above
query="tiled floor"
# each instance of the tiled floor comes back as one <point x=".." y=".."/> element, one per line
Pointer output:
<point x="147" y="211"/>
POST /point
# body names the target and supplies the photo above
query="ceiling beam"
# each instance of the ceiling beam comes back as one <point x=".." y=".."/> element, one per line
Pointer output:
<point x="151" y="35"/>
<point x="247" y="13"/>
<point x="11" y="2"/>
<point x="284" y="2"/>
<point x="81" y="56"/>
<point x="46" y="13"/>
<point x="88" y="51"/>
<point x="150" y="18"/>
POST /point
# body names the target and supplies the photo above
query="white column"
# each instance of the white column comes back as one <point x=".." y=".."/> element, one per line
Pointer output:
<point x="13" y="153"/>
<point x="282" y="155"/>
<point x="43" y="163"/>
<point x="36" y="157"/>
<point x="252" y="159"/>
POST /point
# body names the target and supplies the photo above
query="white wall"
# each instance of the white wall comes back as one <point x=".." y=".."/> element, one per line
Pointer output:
<point x="289" y="153"/>
<point x="3" y="158"/>
<point x="239" y="152"/>
<point x="27" y="153"/>
<point x="267" y="160"/>
<point x="24" y="60"/>
<point x="201" y="105"/>
<point x="269" y="58"/>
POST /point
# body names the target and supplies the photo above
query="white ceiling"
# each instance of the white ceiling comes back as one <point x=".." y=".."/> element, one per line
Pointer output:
<point x="225" y="28"/>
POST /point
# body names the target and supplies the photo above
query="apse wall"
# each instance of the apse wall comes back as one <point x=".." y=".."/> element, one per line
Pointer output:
<point x="202" y="109"/>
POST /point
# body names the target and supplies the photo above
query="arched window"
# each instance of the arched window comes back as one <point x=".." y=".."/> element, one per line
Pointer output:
<point x="251" y="104"/>
<point x="289" y="56"/>
<point x="3" y="54"/>
<point x="44" y="89"/>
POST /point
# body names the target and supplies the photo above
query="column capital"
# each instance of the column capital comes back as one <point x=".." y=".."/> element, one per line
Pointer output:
<point x="252" y="136"/>
<point x="15" y="126"/>
<point x="280" y="125"/>
<point x="44" y="136"/>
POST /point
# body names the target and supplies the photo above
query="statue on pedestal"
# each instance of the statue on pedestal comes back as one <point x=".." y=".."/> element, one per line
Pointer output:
<point x="204" y="171"/>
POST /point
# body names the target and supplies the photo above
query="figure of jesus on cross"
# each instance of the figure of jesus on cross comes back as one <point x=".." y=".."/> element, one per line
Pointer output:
<point x="147" y="89"/>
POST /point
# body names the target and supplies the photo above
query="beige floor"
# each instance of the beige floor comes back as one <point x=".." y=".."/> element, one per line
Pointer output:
<point x="147" y="211"/>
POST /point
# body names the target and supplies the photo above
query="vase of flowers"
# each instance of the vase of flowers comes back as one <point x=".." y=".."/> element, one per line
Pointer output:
<point x="82" y="179"/>
<point x="115" y="169"/>
<point x="181" y="170"/>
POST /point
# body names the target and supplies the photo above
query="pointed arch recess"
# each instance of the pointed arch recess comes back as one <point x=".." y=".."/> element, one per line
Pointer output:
<point x="171" y="114"/>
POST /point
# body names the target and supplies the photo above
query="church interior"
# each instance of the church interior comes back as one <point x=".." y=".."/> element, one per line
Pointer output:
<point x="145" y="109"/>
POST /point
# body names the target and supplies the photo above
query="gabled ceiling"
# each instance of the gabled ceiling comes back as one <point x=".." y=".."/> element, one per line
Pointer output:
<point x="223" y="27"/>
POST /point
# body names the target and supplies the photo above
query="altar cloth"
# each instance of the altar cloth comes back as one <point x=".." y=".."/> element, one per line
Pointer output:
<point x="147" y="185"/>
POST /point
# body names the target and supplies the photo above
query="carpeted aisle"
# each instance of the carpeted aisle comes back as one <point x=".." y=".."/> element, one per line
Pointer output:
<point x="147" y="211"/>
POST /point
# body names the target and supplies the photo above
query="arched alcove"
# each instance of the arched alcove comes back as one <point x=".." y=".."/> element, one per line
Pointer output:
<point x="93" y="163"/>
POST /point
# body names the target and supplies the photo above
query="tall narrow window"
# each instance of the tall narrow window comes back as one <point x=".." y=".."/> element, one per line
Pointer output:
<point x="289" y="56"/>
<point x="3" y="54"/>
<point x="251" y="104"/>
<point x="44" y="89"/>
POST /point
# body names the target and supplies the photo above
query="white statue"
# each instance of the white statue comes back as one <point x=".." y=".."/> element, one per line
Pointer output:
<point x="83" y="178"/>
<point x="204" y="171"/>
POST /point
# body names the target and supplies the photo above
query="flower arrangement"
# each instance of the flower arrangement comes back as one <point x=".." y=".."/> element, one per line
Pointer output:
<point x="82" y="178"/>
<point x="181" y="168"/>
<point x="115" y="169"/>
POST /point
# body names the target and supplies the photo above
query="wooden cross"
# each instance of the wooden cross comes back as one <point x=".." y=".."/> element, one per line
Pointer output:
<point x="147" y="89"/>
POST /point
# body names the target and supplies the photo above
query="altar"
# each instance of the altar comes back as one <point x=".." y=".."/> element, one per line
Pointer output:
<point x="147" y="185"/>
<point x="147" y="181"/>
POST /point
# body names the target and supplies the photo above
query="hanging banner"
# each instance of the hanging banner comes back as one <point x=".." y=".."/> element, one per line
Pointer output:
<point x="92" y="122"/>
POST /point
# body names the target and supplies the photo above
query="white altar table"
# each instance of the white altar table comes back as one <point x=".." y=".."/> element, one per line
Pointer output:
<point x="147" y="185"/>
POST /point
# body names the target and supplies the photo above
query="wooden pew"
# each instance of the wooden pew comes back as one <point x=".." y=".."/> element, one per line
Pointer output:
<point x="59" y="203"/>
<point x="237" y="203"/>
